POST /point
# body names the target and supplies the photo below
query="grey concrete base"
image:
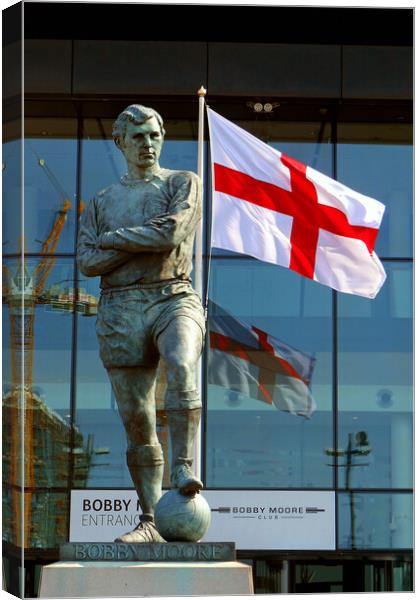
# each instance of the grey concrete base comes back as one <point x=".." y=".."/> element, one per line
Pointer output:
<point x="127" y="579"/>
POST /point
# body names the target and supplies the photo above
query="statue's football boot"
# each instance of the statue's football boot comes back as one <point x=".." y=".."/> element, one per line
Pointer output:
<point x="144" y="532"/>
<point x="183" y="479"/>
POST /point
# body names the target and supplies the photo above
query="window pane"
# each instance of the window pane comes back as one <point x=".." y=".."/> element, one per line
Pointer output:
<point x="40" y="339"/>
<point x="375" y="384"/>
<point x="50" y="151"/>
<point x="12" y="417"/>
<point x="318" y="578"/>
<point x="50" y="512"/>
<point x="9" y="266"/>
<point x="377" y="160"/>
<point x="268" y="576"/>
<point x="12" y="434"/>
<point x="375" y="521"/>
<point x="402" y="576"/>
<point x="46" y="350"/>
<point x="11" y="196"/>
<point x="249" y="442"/>
<point x="52" y="333"/>
<point x="51" y="375"/>
<point x="46" y="522"/>
<point x="104" y="164"/>
<point x="310" y="143"/>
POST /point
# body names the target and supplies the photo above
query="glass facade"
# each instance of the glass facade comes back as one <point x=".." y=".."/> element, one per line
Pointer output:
<point x="375" y="340"/>
<point x="375" y="520"/>
<point x="357" y="442"/>
<point x="50" y="152"/>
<point x="362" y="348"/>
<point x="250" y="443"/>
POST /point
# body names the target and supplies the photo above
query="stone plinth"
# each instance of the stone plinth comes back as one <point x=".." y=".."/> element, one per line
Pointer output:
<point x="102" y="579"/>
<point x="149" y="552"/>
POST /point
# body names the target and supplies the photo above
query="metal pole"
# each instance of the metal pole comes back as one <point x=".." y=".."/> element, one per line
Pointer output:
<point x="198" y="263"/>
<point x="198" y="260"/>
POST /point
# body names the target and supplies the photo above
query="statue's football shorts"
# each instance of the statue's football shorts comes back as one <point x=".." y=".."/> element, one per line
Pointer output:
<point x="130" y="320"/>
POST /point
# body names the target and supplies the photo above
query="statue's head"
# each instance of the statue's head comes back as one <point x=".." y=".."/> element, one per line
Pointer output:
<point x="137" y="114"/>
<point x="138" y="132"/>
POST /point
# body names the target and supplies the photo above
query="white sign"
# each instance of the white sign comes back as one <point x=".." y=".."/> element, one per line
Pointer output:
<point x="272" y="520"/>
<point x="254" y="520"/>
<point x="102" y="515"/>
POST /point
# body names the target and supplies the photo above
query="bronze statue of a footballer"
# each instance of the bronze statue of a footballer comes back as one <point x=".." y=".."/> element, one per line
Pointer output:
<point x="138" y="235"/>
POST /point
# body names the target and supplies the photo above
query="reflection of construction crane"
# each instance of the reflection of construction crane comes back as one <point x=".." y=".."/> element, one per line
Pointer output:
<point x="22" y="291"/>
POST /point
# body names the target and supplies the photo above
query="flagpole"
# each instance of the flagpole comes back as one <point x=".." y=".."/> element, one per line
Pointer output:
<point x="198" y="261"/>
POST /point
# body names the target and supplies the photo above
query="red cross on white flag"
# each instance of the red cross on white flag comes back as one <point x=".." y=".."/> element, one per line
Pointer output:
<point x="274" y="208"/>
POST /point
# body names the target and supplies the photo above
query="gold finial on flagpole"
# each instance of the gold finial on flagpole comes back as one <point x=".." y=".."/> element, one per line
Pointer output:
<point x="202" y="92"/>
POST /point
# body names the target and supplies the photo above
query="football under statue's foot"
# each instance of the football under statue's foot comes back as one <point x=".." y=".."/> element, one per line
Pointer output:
<point x="185" y="481"/>
<point x="145" y="532"/>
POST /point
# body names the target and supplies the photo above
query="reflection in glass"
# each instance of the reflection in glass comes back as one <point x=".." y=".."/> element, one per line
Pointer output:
<point x="377" y="521"/>
<point x="250" y="443"/>
<point x="319" y="578"/>
<point x="402" y="576"/>
<point x="37" y="396"/>
<point x="247" y="360"/>
<point x="50" y="149"/>
<point x="104" y="164"/>
<point x="375" y="381"/>
<point x="309" y="143"/>
<point x="48" y="513"/>
<point x="11" y="197"/>
<point x="268" y="576"/>
<point x="377" y="160"/>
